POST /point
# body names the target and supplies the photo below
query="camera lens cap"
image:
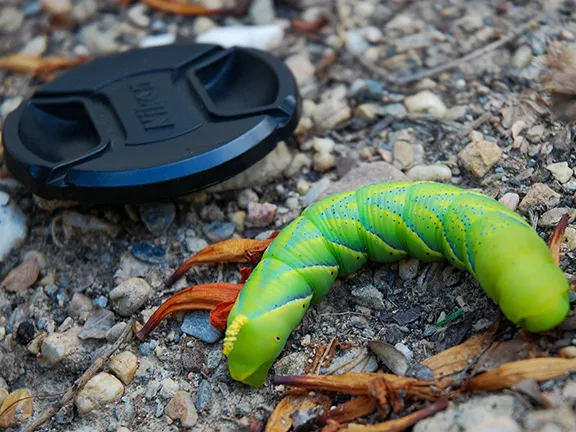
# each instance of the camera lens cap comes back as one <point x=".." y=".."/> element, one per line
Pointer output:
<point x="151" y="123"/>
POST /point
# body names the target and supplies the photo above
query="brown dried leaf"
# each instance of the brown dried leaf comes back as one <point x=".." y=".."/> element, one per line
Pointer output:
<point x="198" y="297"/>
<point x="190" y="9"/>
<point x="500" y="353"/>
<point x="358" y="407"/>
<point x="557" y="237"/>
<point x="530" y="388"/>
<point x="281" y="418"/>
<point x="43" y="67"/>
<point x="404" y="423"/>
<point x="456" y="359"/>
<point x="16" y="408"/>
<point x="23" y="276"/>
<point x="506" y="375"/>
<point x="358" y="383"/>
<point x="237" y="250"/>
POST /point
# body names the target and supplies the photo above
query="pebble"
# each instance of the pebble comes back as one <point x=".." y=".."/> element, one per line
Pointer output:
<point x="568" y="392"/>
<point x="13" y="229"/>
<point x="11" y="19"/>
<point x="137" y="14"/>
<point x="300" y="161"/>
<point x="219" y="230"/>
<point x="197" y="324"/>
<point x="203" y="395"/>
<point x="148" y="253"/>
<point x="128" y="297"/>
<point x="570" y="238"/>
<point x="57" y="7"/>
<point x="74" y="221"/>
<point x="245" y="197"/>
<point x="36" y="46"/>
<point x="368" y="296"/>
<point x="323" y="145"/>
<point x="407" y="316"/>
<point x="84" y="10"/>
<point x="343" y="360"/>
<point x="425" y="102"/>
<point x="97" y="324"/>
<point x="510" y="200"/>
<point x="182" y="408"/>
<point x="496" y="424"/>
<point x="168" y="388"/>
<point x="124" y="366"/>
<point x="195" y="244"/>
<point x="561" y="171"/>
<point x="332" y="111"/>
<point x="569" y="351"/>
<point x="403" y="154"/>
<point x="203" y="24"/>
<point x="98" y="41"/>
<point x="436" y="172"/>
<point x="158" y="40"/>
<point x="157" y="216"/>
<point x="114" y="333"/>
<point x="390" y="356"/>
<point x="261" y="214"/>
<point x="323" y="161"/>
<point x="408" y="268"/>
<point x="264" y="37"/>
<point x="522" y="57"/>
<point x="539" y="194"/>
<point x="367" y="111"/>
<point x="479" y="157"/>
<point x="239" y="220"/>
<point x="57" y="346"/>
<point x="302" y="68"/>
<point x="302" y="186"/>
<point x="16" y="408"/>
<point x="10" y="105"/>
<point x="551" y="218"/>
<point x="396" y="110"/>
<point x="99" y="391"/>
<point x="355" y="41"/>
<point x="291" y="364"/>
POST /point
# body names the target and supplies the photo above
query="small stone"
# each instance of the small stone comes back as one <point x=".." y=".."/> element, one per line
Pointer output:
<point x="299" y="162"/>
<point x="261" y="215"/>
<point x="195" y="244"/>
<point x="158" y="216"/>
<point x="367" y="111"/>
<point x="148" y="253"/>
<point x="130" y="296"/>
<point x="264" y="37"/>
<point x="58" y="346"/>
<point x="323" y="145"/>
<point x="345" y="358"/>
<point x="568" y="392"/>
<point x="84" y="10"/>
<point x="437" y="172"/>
<point x="301" y="67"/>
<point x="114" y="333"/>
<point x="291" y="364"/>
<point x="561" y="171"/>
<point x="182" y="408"/>
<point x="293" y="203"/>
<point x="323" y="161"/>
<point x="479" y="157"/>
<point x="124" y="366"/>
<point x="155" y="40"/>
<point x="36" y="46"/>
<point x="218" y="231"/>
<point x="396" y="110"/>
<point x="197" y="324"/>
<point x="99" y="391"/>
<point x="13" y="230"/>
<point x="539" y="194"/>
<point x="570" y="238"/>
<point x="522" y="57"/>
<point x="425" y="102"/>
<point x="97" y="324"/>
<point x="11" y="19"/>
<point x="496" y="424"/>
<point x="245" y="197"/>
<point x="408" y="268"/>
<point x="80" y="306"/>
<point x="302" y="186"/>
<point x="211" y="213"/>
<point x="203" y="395"/>
<point x="403" y="154"/>
<point x="407" y="316"/>
<point x="510" y="200"/>
<point x="238" y="219"/>
<point x="368" y="296"/>
<point x="137" y="14"/>
<point x="551" y="218"/>
<point x="168" y="388"/>
<point x="16" y="408"/>
<point x="569" y="351"/>
<point x="332" y="111"/>
<point x="57" y="7"/>
<point x="395" y="360"/>
<point x="97" y="41"/>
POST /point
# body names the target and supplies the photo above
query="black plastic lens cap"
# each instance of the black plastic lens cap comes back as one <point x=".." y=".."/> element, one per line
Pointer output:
<point x="151" y="123"/>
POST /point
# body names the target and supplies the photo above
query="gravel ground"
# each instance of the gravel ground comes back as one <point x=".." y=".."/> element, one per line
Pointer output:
<point x="484" y="124"/>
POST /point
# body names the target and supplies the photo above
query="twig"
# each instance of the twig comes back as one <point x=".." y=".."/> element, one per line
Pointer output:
<point x="81" y="382"/>
<point x="474" y="124"/>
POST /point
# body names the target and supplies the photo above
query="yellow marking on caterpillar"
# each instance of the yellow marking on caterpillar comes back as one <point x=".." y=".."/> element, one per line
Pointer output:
<point x="232" y="332"/>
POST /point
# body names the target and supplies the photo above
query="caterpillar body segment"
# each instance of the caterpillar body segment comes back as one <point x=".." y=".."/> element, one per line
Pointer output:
<point x="384" y="223"/>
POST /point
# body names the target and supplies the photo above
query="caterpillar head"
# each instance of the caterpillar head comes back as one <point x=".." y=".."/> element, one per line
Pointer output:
<point x="254" y="342"/>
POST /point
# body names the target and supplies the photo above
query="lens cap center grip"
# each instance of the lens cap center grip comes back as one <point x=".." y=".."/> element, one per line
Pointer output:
<point x="151" y="123"/>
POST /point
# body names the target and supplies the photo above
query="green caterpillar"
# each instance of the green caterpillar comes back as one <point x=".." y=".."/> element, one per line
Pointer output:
<point x="384" y="223"/>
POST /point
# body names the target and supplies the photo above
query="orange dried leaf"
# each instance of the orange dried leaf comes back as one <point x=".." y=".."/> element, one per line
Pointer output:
<point x="309" y="26"/>
<point x="43" y="67"/>
<point x="505" y="376"/>
<point x="500" y="353"/>
<point x="199" y="297"/>
<point x="557" y="237"/>
<point x="219" y="315"/>
<point x="457" y="358"/>
<point x="404" y="423"/>
<point x="358" y="383"/>
<point x="358" y="407"/>
<point x="181" y="8"/>
<point x="23" y="276"/>
<point x="281" y="418"/>
<point x="237" y="250"/>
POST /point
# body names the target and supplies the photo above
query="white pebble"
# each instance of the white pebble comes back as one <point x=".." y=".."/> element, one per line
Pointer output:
<point x="323" y="161"/>
<point x="99" y="391"/>
<point x="130" y="296"/>
<point x="510" y="200"/>
<point x="436" y="172"/>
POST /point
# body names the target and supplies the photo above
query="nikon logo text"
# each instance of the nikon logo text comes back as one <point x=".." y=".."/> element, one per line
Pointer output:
<point x="151" y="110"/>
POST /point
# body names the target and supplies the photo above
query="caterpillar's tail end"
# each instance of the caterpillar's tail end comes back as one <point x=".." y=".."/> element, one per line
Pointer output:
<point x="549" y="318"/>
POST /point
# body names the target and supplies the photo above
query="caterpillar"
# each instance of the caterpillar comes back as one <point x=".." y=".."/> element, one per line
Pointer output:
<point x="386" y="222"/>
